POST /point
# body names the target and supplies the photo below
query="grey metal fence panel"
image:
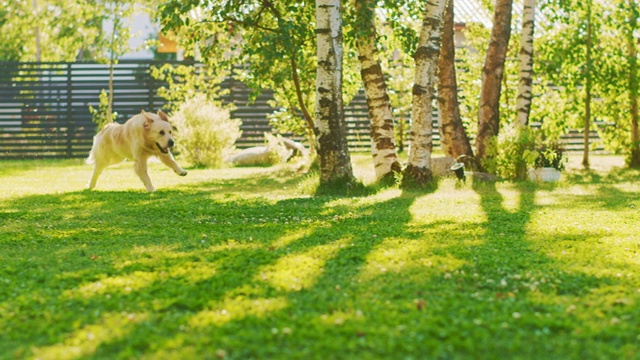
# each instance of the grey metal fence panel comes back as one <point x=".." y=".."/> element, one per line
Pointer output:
<point x="44" y="108"/>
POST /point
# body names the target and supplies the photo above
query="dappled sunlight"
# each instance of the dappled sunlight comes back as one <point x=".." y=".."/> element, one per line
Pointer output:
<point x="230" y="309"/>
<point x="297" y="271"/>
<point x="191" y="272"/>
<point x="122" y="284"/>
<point x="601" y="308"/>
<point x="235" y="263"/>
<point x="510" y="197"/>
<point x="84" y="342"/>
<point x="293" y="236"/>
<point x="407" y="258"/>
<point x="379" y="197"/>
<point x="339" y="318"/>
<point x="451" y="206"/>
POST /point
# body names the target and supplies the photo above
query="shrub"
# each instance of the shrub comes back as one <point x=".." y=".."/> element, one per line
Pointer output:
<point x="101" y="116"/>
<point x="548" y="154"/>
<point x="509" y="151"/>
<point x="205" y="133"/>
<point x="518" y="149"/>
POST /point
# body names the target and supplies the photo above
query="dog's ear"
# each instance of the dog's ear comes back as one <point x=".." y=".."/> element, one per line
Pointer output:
<point x="163" y="116"/>
<point x="148" y="118"/>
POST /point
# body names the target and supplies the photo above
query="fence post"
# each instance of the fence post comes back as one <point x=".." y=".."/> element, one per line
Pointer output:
<point x="150" y="87"/>
<point x="69" y="111"/>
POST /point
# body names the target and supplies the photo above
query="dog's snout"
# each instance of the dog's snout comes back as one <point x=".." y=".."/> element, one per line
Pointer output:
<point x="170" y="143"/>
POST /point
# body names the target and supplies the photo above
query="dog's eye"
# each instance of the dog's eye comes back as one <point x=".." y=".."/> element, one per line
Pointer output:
<point x="161" y="132"/>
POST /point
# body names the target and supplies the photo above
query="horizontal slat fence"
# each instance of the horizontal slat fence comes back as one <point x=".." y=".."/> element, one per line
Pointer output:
<point x="44" y="107"/>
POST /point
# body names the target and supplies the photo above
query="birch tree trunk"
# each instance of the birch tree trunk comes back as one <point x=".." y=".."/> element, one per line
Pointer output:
<point x="492" y="72"/>
<point x="418" y="170"/>
<point x="330" y="125"/>
<point x="523" y="104"/>
<point x="454" y="140"/>
<point x="383" y="146"/>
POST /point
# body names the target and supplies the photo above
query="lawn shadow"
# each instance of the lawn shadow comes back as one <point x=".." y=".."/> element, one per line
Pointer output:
<point x="528" y="290"/>
<point x="302" y="274"/>
<point x="188" y="273"/>
<point x="146" y="266"/>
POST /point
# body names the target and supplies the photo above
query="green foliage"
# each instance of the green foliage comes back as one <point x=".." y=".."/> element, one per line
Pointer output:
<point x="101" y="116"/>
<point x="509" y="152"/>
<point x="549" y="154"/>
<point x="560" y="62"/>
<point x="469" y="74"/>
<point x="241" y="264"/>
<point x="68" y="29"/>
<point x="185" y="82"/>
<point x="284" y="121"/>
<point x="205" y="134"/>
<point x="518" y="149"/>
<point x="272" y="40"/>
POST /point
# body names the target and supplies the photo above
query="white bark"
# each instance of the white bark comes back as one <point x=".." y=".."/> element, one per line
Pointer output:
<point x="383" y="146"/>
<point x="523" y="104"/>
<point x="330" y="126"/>
<point x="426" y="60"/>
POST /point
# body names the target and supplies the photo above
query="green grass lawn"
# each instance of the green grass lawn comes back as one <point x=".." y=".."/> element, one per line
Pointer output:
<point x="245" y="264"/>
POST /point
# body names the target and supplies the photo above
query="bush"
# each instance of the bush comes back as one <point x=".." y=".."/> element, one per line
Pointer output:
<point x="205" y="133"/>
<point x="101" y="116"/>
<point x="548" y="154"/>
<point x="508" y="153"/>
<point x="518" y="149"/>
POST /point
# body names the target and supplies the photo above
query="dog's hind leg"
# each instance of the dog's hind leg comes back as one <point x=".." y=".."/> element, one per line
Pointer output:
<point x="97" y="170"/>
<point x="168" y="160"/>
<point x="141" y="169"/>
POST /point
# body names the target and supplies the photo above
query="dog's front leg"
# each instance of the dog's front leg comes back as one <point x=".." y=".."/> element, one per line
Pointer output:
<point x="141" y="169"/>
<point x="168" y="160"/>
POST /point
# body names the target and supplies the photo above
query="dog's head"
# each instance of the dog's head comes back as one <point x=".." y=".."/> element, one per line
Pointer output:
<point x="158" y="130"/>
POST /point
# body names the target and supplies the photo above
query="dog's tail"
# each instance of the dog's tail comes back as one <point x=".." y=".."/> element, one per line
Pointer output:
<point x="91" y="159"/>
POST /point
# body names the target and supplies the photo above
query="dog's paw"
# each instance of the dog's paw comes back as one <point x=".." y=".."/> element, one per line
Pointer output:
<point x="183" y="173"/>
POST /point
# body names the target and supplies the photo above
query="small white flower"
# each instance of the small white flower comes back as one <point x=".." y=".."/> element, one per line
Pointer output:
<point x="516" y="315"/>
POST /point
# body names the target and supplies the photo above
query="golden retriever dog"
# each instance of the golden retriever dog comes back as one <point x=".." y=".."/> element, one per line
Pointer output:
<point x="141" y="137"/>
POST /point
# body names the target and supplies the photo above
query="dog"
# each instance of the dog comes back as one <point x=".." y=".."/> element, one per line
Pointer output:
<point x="142" y="136"/>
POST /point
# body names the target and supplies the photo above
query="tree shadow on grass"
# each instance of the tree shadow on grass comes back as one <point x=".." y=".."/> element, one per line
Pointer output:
<point x="185" y="274"/>
<point x="105" y="273"/>
<point x="528" y="293"/>
<point x="616" y="176"/>
<point x="305" y="278"/>
<point x="96" y="251"/>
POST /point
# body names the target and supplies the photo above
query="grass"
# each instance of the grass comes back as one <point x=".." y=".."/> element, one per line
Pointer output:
<point x="244" y="263"/>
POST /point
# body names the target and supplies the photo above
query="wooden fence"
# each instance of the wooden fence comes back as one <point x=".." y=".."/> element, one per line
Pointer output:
<point x="44" y="107"/>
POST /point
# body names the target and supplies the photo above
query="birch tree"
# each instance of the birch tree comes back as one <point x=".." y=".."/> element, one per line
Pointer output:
<point x="383" y="147"/>
<point x="523" y="104"/>
<point x="454" y="140"/>
<point x="330" y="125"/>
<point x="492" y="73"/>
<point x="418" y="171"/>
